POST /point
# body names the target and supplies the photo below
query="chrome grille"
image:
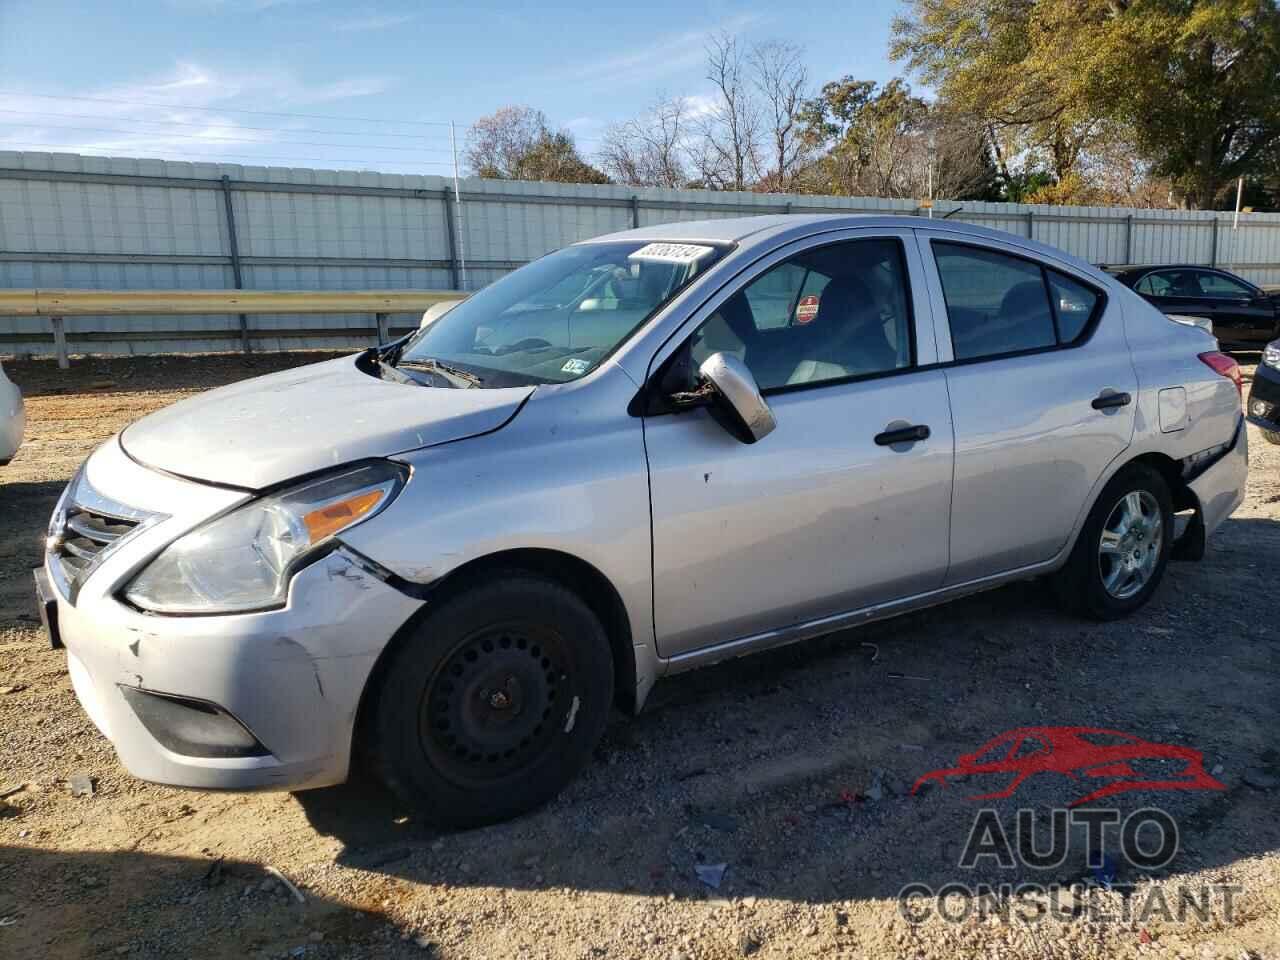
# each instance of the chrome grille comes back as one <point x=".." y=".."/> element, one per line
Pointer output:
<point x="86" y="526"/>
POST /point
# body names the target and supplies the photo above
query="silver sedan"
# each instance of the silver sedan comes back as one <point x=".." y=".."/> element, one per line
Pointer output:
<point x="637" y="455"/>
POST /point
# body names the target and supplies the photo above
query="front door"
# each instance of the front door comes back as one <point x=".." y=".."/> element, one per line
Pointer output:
<point x="824" y="515"/>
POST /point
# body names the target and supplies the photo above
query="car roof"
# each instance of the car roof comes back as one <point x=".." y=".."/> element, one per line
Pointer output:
<point x="737" y="229"/>
<point x="784" y="227"/>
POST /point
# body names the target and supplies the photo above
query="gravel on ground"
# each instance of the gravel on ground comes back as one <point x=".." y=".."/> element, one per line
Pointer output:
<point x="792" y="768"/>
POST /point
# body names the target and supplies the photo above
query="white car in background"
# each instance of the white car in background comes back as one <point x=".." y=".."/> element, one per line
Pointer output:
<point x="13" y="419"/>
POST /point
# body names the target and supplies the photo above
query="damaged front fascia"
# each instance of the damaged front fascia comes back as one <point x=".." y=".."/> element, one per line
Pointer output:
<point x="418" y="591"/>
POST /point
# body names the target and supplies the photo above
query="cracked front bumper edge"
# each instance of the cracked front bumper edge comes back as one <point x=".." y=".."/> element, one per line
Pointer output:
<point x="292" y="677"/>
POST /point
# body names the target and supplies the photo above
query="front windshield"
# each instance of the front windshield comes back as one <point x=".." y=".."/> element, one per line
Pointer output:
<point x="553" y="320"/>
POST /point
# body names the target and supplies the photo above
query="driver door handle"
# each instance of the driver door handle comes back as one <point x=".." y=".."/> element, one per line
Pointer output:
<point x="1105" y="401"/>
<point x="902" y="435"/>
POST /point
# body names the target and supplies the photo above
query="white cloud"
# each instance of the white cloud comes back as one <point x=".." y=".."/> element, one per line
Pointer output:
<point x="189" y="114"/>
<point x="670" y="54"/>
<point x="372" y="21"/>
<point x="700" y="105"/>
<point x="340" y="90"/>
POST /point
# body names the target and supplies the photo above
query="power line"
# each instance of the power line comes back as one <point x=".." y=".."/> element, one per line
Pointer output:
<point x="238" y="126"/>
<point x="188" y="136"/>
<point x="63" y="147"/>
<point x="258" y="113"/>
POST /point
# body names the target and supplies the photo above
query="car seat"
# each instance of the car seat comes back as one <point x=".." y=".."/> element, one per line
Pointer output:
<point x="849" y="335"/>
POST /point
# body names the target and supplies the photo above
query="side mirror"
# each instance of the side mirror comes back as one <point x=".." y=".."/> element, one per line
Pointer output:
<point x="739" y="406"/>
<point x="436" y="311"/>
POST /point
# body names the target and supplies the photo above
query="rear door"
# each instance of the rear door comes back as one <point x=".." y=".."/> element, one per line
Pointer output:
<point x="823" y="515"/>
<point x="1041" y="389"/>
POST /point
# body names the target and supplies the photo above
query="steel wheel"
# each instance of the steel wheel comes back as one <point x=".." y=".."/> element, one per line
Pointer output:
<point x="488" y="710"/>
<point x="1130" y="545"/>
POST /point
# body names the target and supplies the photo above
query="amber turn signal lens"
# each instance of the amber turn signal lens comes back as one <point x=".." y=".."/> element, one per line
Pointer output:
<point x="333" y="517"/>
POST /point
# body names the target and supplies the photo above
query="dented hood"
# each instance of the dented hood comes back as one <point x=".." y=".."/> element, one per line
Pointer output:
<point x="270" y="429"/>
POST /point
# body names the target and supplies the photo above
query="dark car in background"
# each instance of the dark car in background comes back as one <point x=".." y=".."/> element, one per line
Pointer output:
<point x="1263" y="408"/>
<point x="1242" y="314"/>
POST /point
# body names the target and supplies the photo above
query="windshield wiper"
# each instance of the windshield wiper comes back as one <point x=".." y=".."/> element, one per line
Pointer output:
<point x="435" y="366"/>
<point x="387" y="371"/>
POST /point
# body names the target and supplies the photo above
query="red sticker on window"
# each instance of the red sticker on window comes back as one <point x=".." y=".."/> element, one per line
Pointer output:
<point x="807" y="309"/>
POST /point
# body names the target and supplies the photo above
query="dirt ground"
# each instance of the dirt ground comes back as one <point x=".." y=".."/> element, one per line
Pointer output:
<point x="792" y="768"/>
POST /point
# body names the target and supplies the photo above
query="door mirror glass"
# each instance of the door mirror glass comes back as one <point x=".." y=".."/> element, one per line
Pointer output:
<point x="739" y="406"/>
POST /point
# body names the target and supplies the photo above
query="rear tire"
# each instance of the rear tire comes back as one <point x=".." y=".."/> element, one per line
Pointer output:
<point x="1271" y="436"/>
<point x="494" y="702"/>
<point x="1109" y="580"/>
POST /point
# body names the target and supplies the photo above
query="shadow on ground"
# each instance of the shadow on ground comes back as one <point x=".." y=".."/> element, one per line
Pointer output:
<point x="69" y="904"/>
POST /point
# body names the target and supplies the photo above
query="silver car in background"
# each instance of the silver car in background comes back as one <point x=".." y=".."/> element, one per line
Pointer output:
<point x="635" y="456"/>
<point x="13" y="418"/>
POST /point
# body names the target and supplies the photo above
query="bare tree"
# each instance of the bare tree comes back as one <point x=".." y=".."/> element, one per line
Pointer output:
<point x="780" y="77"/>
<point x="648" y="151"/>
<point x="497" y="144"/>
<point x="726" y="151"/>
<point x="516" y="143"/>
<point x="1122" y="176"/>
<point x="947" y="156"/>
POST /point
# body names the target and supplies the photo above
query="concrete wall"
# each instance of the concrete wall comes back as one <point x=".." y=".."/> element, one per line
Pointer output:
<point x="119" y="223"/>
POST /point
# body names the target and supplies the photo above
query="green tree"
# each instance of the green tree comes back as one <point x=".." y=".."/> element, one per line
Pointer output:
<point x="1192" y="84"/>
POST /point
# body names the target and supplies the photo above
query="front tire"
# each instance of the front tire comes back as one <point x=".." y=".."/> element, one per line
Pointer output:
<point x="494" y="702"/>
<point x="1123" y="548"/>
<point x="1271" y="436"/>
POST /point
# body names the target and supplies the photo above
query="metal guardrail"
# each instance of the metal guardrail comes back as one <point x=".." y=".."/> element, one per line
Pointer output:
<point x="56" y="305"/>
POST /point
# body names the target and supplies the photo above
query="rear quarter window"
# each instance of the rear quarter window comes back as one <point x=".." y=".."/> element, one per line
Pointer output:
<point x="1073" y="303"/>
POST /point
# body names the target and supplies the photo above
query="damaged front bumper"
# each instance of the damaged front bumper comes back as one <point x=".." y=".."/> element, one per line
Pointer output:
<point x="250" y="701"/>
<point x="237" y="701"/>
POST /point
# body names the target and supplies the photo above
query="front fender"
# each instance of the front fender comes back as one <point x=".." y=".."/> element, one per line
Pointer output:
<point x="568" y="475"/>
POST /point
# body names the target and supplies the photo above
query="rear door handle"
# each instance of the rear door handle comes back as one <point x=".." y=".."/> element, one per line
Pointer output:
<point x="1105" y="401"/>
<point x="902" y="435"/>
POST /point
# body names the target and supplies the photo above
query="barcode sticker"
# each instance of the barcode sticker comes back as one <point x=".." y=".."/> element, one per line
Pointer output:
<point x="671" y="252"/>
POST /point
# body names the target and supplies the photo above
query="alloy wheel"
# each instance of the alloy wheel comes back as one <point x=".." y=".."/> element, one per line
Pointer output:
<point x="1130" y="545"/>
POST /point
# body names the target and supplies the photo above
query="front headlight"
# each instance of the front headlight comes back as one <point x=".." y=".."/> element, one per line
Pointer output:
<point x="1271" y="354"/>
<point x="244" y="559"/>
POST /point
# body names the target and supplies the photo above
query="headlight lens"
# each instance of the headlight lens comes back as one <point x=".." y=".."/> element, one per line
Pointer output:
<point x="243" y="560"/>
<point x="1271" y="355"/>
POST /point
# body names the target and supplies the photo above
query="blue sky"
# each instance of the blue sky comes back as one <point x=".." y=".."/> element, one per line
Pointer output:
<point x="140" y="71"/>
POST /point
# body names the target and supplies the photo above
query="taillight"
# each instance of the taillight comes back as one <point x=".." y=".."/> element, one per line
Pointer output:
<point x="1224" y="365"/>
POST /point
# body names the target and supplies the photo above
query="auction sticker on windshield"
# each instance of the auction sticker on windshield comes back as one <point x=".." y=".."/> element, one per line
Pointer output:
<point x="671" y="252"/>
